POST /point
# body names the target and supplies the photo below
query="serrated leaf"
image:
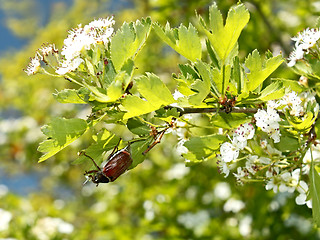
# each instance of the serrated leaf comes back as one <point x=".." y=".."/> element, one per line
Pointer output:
<point x="136" y="106"/>
<point x="68" y="96"/>
<point x="230" y="120"/>
<point x="201" y="87"/>
<point x="60" y="132"/>
<point x="138" y="127"/>
<point x="137" y="149"/>
<point x="183" y="40"/>
<point x="224" y="38"/>
<point x="104" y="142"/>
<point x="273" y="91"/>
<point x="128" y="41"/>
<point x="260" y="70"/>
<point x="302" y="124"/>
<point x="154" y="90"/>
<point x="204" y="146"/>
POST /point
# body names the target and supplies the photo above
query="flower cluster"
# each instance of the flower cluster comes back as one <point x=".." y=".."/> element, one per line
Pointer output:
<point x="76" y="46"/>
<point x="278" y="172"/>
<point x="305" y="41"/>
<point x="268" y="121"/>
<point x="84" y="38"/>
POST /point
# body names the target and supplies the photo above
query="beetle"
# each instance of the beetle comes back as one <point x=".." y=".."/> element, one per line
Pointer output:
<point x="118" y="162"/>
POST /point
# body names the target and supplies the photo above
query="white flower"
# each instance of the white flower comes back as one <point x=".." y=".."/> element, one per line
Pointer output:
<point x="268" y="122"/>
<point x="295" y="55"/>
<point x="83" y="39"/>
<point x="5" y="218"/>
<point x="224" y="168"/>
<point x="33" y="67"/>
<point x="244" y="132"/>
<point x="293" y="102"/>
<point x="251" y="164"/>
<point x="304" y="42"/>
<point x="240" y="174"/>
<point x="228" y="152"/>
<point x="69" y="66"/>
<point x="307" y="39"/>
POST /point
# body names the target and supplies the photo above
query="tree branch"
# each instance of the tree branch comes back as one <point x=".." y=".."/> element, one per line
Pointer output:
<point x="183" y="111"/>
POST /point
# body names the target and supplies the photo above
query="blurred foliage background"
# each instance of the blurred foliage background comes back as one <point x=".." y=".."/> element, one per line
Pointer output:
<point x="161" y="198"/>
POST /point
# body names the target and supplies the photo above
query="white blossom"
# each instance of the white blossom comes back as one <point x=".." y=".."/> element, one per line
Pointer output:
<point x="304" y="42"/>
<point x="228" y="152"/>
<point x="83" y="39"/>
<point x="244" y="132"/>
<point x="34" y="66"/>
<point x="268" y="121"/>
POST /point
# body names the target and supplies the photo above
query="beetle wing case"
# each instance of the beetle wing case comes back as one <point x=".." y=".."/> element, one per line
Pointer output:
<point x="118" y="164"/>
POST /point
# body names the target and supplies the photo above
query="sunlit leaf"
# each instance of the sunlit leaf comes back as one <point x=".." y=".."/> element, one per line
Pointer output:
<point x="260" y="69"/>
<point x="128" y="41"/>
<point x="183" y="40"/>
<point x="224" y="38"/>
<point x="60" y="132"/>
<point x="68" y="96"/>
<point x="204" y="146"/>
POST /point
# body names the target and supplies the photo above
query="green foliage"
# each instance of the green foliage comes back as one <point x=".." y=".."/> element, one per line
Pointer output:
<point x="128" y="103"/>
<point x="314" y="192"/>
<point x="153" y="90"/>
<point x="260" y="70"/>
<point x="224" y="37"/>
<point x="128" y="41"/>
<point x="183" y="40"/>
<point x="60" y="132"/>
<point x="203" y="147"/>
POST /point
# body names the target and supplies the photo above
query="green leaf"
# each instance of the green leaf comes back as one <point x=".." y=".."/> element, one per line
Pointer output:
<point x="60" y="132"/>
<point x="315" y="193"/>
<point x="230" y="120"/>
<point x="154" y="90"/>
<point x="128" y="41"/>
<point x="260" y="70"/>
<point x="273" y="91"/>
<point x="201" y="87"/>
<point x="183" y="40"/>
<point x="204" y="146"/>
<point x="68" y="96"/>
<point x="136" y="126"/>
<point x="137" y="149"/>
<point x="222" y="78"/>
<point x="104" y="141"/>
<point x="302" y="124"/>
<point x="224" y="38"/>
<point x="288" y="144"/>
<point x="136" y="106"/>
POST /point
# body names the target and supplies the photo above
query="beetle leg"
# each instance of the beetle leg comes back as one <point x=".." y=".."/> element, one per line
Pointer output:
<point x="158" y="139"/>
<point x="83" y="153"/>
<point x="114" y="150"/>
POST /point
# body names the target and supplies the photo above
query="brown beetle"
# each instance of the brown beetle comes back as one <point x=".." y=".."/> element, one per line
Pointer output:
<point x="119" y="162"/>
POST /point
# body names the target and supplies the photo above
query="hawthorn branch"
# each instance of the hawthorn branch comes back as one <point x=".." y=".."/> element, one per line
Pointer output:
<point x="183" y="111"/>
